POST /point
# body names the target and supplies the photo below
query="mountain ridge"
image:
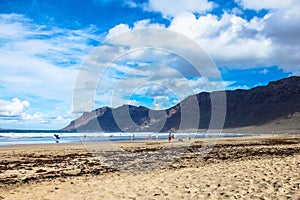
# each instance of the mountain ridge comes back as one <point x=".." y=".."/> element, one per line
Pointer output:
<point x="255" y="107"/>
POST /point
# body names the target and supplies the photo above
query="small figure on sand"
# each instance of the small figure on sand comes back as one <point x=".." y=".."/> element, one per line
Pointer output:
<point x="57" y="137"/>
<point x="170" y="137"/>
<point x="132" y="137"/>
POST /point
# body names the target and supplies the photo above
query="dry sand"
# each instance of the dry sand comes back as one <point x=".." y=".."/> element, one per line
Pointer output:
<point x="235" y="168"/>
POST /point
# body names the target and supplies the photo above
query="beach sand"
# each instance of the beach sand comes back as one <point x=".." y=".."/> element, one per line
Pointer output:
<point x="234" y="168"/>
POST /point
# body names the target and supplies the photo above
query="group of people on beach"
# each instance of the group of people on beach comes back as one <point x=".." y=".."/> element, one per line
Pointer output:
<point x="171" y="136"/>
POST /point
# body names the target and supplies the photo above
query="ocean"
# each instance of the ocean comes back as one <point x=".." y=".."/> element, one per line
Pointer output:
<point x="39" y="137"/>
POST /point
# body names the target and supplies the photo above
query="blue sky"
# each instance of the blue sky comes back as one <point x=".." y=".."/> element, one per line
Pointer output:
<point x="44" y="45"/>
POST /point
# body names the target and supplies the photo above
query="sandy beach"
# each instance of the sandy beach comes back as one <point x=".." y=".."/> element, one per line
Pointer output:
<point x="234" y="168"/>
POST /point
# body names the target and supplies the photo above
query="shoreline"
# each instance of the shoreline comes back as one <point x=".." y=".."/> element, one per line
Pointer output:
<point x="15" y="139"/>
<point x="143" y="140"/>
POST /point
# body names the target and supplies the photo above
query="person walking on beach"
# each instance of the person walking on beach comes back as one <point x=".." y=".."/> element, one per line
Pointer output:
<point x="170" y="137"/>
<point x="57" y="138"/>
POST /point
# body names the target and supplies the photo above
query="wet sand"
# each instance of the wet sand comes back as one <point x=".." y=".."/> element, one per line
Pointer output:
<point x="233" y="168"/>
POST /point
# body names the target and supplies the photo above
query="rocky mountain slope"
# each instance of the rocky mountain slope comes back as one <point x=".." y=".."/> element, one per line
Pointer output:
<point x="277" y="103"/>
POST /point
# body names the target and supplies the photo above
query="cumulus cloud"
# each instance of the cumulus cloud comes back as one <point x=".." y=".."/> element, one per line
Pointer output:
<point x="155" y="86"/>
<point x="40" y="63"/>
<point x="145" y="62"/>
<point x="13" y="108"/>
<point x="118" y="29"/>
<point x="230" y="40"/>
<point x="39" y="60"/>
<point x="44" y="61"/>
<point x="37" y="117"/>
<point x="237" y="42"/>
<point x="123" y="28"/>
<point x="146" y="23"/>
<point x="170" y="8"/>
<point x="267" y="4"/>
<point x="18" y="112"/>
<point x="131" y="3"/>
<point x="55" y="117"/>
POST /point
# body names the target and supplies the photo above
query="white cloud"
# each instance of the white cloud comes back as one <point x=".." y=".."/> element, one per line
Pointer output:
<point x="130" y="3"/>
<point x="41" y="63"/>
<point x="122" y="28"/>
<point x="13" y="108"/>
<point x="170" y="8"/>
<point x="163" y="84"/>
<point x="37" y="117"/>
<point x="38" y="60"/>
<point x="234" y="41"/>
<point x="161" y="102"/>
<point x="140" y="70"/>
<point x="55" y="117"/>
<point x="267" y="4"/>
<point x="17" y="113"/>
<point x="146" y="23"/>
<point x="118" y="29"/>
<point x="229" y="39"/>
